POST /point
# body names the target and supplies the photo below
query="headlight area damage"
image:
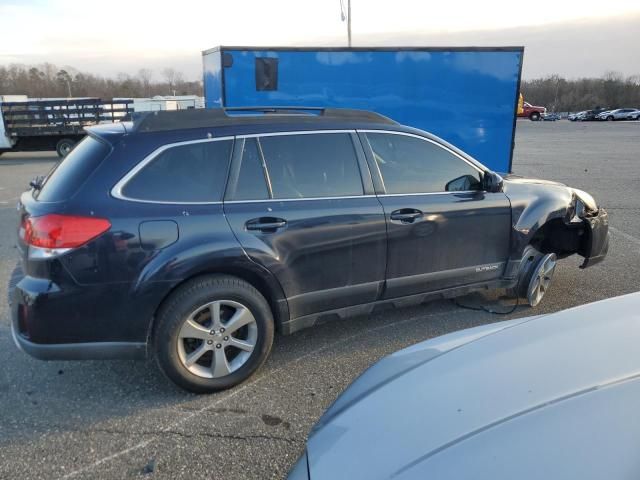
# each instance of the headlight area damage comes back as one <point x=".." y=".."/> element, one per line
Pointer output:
<point x="554" y="218"/>
<point x="583" y="229"/>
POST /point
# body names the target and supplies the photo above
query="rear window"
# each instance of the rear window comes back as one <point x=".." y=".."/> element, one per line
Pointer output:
<point x="69" y="175"/>
<point x="312" y="165"/>
<point x="189" y="173"/>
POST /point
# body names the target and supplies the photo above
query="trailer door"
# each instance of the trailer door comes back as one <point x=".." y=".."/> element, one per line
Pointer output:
<point x="443" y="230"/>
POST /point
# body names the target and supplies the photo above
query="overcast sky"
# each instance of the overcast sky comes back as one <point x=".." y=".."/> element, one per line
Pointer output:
<point x="571" y="38"/>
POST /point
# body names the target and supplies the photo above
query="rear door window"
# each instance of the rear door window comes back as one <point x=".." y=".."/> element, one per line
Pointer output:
<point x="191" y="173"/>
<point x="69" y="175"/>
<point x="312" y="165"/>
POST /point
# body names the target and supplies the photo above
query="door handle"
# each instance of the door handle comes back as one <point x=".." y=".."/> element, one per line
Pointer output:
<point x="265" y="224"/>
<point x="406" y="215"/>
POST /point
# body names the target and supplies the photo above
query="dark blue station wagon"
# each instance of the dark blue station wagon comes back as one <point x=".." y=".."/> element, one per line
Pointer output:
<point x="194" y="236"/>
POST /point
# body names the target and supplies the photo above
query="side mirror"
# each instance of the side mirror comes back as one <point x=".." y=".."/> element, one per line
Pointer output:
<point x="463" y="183"/>
<point x="491" y="182"/>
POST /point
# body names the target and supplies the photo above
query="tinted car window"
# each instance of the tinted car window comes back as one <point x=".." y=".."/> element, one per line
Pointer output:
<point x="411" y="165"/>
<point x="314" y="165"/>
<point x="67" y="177"/>
<point x="187" y="173"/>
<point x="251" y="183"/>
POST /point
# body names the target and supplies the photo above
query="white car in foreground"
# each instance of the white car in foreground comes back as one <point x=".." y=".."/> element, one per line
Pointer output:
<point x="548" y="397"/>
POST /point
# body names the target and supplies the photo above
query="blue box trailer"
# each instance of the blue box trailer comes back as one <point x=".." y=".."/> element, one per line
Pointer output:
<point x="466" y="95"/>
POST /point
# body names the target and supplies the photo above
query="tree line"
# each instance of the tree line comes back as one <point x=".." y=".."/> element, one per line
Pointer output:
<point x="561" y="95"/>
<point x="48" y="80"/>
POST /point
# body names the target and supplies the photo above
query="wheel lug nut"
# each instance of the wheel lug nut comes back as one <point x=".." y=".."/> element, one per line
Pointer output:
<point x="209" y="342"/>
<point x="226" y="339"/>
<point x="219" y="345"/>
<point x="212" y="332"/>
<point x="222" y="330"/>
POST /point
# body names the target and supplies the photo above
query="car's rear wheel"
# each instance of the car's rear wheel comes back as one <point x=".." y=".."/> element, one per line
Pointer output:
<point x="535" y="116"/>
<point x="610" y="118"/>
<point x="213" y="333"/>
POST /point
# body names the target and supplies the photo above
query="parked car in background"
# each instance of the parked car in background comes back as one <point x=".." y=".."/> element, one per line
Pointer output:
<point x="551" y="117"/>
<point x="635" y="115"/>
<point x="617" y="114"/>
<point x="194" y="235"/>
<point x="576" y="116"/>
<point x="590" y="115"/>
<point x="552" y="396"/>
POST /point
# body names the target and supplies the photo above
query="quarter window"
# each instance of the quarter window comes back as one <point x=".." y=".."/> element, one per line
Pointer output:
<point x="312" y="165"/>
<point x="411" y="165"/>
<point x="194" y="172"/>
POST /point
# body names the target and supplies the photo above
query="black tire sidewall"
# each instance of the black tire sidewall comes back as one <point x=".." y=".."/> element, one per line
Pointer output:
<point x="527" y="268"/>
<point x="183" y="303"/>
<point x="63" y="142"/>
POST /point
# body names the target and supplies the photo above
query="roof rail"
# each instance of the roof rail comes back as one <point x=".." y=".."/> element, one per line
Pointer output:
<point x="218" y="117"/>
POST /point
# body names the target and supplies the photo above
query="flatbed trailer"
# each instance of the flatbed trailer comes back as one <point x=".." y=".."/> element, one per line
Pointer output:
<point x="55" y="124"/>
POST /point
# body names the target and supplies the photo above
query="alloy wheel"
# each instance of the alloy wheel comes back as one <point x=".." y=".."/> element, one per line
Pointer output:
<point x="217" y="338"/>
<point x="541" y="279"/>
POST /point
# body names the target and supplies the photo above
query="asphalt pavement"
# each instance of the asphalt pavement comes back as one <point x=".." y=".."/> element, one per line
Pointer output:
<point x="123" y="419"/>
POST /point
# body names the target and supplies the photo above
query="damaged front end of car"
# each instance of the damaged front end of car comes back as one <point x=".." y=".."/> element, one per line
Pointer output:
<point x="555" y="219"/>
<point x="583" y="229"/>
<point x="595" y="223"/>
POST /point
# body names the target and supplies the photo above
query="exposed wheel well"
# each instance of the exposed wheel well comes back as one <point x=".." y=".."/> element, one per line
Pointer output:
<point x="255" y="280"/>
<point x="557" y="237"/>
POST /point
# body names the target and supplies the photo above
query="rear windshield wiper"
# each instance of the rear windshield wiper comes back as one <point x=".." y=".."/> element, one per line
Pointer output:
<point x="36" y="183"/>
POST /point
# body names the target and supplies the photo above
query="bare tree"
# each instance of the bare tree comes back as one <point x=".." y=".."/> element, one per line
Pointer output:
<point x="173" y="78"/>
<point x="145" y="75"/>
<point x="65" y="78"/>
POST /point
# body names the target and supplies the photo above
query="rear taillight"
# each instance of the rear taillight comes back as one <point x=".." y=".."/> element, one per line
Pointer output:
<point x="55" y="231"/>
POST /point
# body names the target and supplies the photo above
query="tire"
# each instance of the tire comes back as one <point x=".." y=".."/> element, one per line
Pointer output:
<point x="64" y="146"/>
<point x="534" y="117"/>
<point x="610" y="118"/>
<point x="179" y="347"/>
<point x="536" y="275"/>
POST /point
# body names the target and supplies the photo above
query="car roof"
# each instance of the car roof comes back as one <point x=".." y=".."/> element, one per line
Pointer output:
<point x="244" y="116"/>
<point x="166" y="127"/>
<point x="216" y="122"/>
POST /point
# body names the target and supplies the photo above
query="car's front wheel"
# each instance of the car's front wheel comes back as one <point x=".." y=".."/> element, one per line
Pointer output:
<point x="213" y="333"/>
<point x="536" y="274"/>
<point x="534" y="117"/>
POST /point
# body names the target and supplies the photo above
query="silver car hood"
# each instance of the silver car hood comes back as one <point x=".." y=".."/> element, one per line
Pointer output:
<point x="553" y="396"/>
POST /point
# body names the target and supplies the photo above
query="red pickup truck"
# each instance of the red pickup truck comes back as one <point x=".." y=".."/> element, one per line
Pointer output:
<point x="526" y="110"/>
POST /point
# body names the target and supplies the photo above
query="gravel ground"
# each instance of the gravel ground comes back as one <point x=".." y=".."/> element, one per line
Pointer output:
<point x="122" y="419"/>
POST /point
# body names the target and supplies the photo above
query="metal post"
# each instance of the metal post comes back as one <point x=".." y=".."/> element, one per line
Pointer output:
<point x="349" y="21"/>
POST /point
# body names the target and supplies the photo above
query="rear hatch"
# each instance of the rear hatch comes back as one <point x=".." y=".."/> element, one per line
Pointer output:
<point x="46" y="229"/>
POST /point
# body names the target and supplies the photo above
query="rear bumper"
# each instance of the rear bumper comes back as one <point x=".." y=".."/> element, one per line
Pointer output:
<point x="597" y="241"/>
<point x="79" y="351"/>
<point x="42" y="327"/>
